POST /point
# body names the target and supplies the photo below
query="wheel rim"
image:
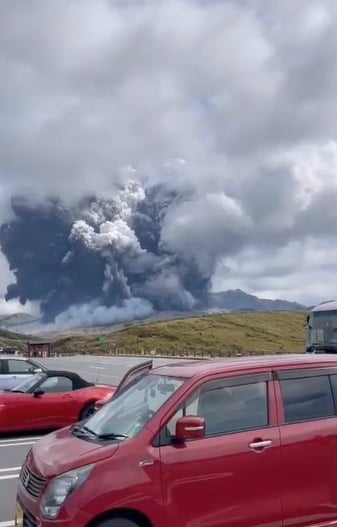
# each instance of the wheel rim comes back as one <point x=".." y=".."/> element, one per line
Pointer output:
<point x="87" y="412"/>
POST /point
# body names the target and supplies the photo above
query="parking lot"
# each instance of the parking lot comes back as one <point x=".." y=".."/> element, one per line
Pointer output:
<point x="105" y="370"/>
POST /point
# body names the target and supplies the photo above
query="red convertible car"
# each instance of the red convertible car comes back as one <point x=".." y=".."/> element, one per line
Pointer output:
<point x="49" y="400"/>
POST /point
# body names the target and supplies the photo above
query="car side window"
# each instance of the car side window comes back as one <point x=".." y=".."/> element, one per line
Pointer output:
<point x="227" y="409"/>
<point x="190" y="408"/>
<point x="2" y="366"/>
<point x="334" y="388"/>
<point x="307" y="398"/>
<point x="57" y="384"/>
<point x="19" y="366"/>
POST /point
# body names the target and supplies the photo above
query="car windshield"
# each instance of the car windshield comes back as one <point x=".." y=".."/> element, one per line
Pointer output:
<point x="322" y="328"/>
<point x="29" y="383"/>
<point x="130" y="410"/>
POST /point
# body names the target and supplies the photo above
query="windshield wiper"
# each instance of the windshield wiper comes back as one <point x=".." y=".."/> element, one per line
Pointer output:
<point x="323" y="347"/>
<point x="83" y="430"/>
<point x="16" y="391"/>
<point x="112" y="436"/>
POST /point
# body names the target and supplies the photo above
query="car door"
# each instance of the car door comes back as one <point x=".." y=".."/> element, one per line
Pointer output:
<point x="16" y="371"/>
<point x="54" y="405"/>
<point x="133" y="373"/>
<point x="229" y="478"/>
<point x="308" y="427"/>
<point x="46" y="409"/>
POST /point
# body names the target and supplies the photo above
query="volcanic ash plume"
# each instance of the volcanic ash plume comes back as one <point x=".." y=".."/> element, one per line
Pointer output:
<point x="102" y="261"/>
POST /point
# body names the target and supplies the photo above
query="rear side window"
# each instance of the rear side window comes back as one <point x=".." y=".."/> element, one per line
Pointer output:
<point x="307" y="398"/>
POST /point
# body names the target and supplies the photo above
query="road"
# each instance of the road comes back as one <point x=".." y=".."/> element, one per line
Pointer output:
<point x="106" y="370"/>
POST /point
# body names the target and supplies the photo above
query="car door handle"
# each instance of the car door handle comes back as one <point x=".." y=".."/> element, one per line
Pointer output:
<point x="260" y="444"/>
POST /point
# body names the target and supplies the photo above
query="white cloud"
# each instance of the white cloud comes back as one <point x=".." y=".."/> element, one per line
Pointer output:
<point x="13" y="306"/>
<point x="5" y="274"/>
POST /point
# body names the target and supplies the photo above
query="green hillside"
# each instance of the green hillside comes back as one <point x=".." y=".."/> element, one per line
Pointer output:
<point x="220" y="334"/>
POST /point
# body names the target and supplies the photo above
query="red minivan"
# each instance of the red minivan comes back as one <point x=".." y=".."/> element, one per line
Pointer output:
<point x="246" y="442"/>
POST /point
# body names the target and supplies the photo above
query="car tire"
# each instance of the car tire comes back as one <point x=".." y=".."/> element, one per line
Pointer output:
<point x="116" y="522"/>
<point x="87" y="411"/>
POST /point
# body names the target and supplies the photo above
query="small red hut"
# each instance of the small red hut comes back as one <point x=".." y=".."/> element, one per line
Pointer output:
<point x="39" y="349"/>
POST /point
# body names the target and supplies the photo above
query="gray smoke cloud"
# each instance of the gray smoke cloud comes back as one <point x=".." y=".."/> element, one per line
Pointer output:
<point x="101" y="260"/>
<point x="153" y="150"/>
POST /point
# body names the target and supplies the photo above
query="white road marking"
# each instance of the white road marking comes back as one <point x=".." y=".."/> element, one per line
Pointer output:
<point x="4" y="445"/>
<point x="12" y="469"/>
<point x="7" y="524"/>
<point x="17" y="439"/>
<point x="9" y="476"/>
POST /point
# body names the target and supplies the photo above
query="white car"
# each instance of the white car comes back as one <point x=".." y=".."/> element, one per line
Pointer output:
<point x="14" y="369"/>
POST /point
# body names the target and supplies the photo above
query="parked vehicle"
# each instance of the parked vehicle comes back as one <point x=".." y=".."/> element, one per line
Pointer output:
<point x="245" y="442"/>
<point x="14" y="369"/>
<point x="321" y="328"/>
<point x="49" y="400"/>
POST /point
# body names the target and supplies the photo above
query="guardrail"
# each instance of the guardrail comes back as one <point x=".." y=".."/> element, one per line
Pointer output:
<point x="181" y="355"/>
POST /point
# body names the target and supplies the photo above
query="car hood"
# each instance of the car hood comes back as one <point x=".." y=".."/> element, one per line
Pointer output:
<point x="61" y="451"/>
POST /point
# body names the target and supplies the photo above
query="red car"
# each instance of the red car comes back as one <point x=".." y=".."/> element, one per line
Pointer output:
<point x="246" y="442"/>
<point x="48" y="400"/>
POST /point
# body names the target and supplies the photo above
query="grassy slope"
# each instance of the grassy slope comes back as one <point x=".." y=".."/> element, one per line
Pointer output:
<point x="217" y="334"/>
<point x="9" y="339"/>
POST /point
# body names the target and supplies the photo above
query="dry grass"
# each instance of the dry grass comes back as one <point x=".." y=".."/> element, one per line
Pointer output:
<point x="18" y="341"/>
<point x="220" y="334"/>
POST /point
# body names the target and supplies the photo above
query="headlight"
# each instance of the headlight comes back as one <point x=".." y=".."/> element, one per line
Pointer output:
<point x="60" y="488"/>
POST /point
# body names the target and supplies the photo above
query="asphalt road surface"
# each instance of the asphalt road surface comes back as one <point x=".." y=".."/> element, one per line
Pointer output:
<point x="105" y="370"/>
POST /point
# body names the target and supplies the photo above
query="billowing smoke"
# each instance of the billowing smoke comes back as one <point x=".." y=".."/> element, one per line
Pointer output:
<point x="102" y="261"/>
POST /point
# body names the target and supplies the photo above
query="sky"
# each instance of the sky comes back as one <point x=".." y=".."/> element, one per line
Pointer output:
<point x="233" y="103"/>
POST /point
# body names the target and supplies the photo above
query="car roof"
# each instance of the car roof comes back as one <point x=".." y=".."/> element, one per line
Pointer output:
<point x="325" y="306"/>
<point x="78" y="381"/>
<point x="16" y="357"/>
<point x="201" y="368"/>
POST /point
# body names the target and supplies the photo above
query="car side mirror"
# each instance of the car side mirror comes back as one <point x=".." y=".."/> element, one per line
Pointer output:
<point x="190" y="427"/>
<point x="38" y="393"/>
<point x="37" y="370"/>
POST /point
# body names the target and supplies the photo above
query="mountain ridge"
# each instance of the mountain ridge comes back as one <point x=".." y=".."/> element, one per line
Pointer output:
<point x="229" y="301"/>
<point x="236" y="299"/>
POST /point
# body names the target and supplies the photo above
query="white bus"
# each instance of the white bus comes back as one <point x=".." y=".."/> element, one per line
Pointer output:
<point x="321" y="328"/>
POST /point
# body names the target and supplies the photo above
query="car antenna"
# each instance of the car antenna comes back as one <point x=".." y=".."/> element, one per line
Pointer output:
<point x="101" y="341"/>
<point x="99" y="368"/>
